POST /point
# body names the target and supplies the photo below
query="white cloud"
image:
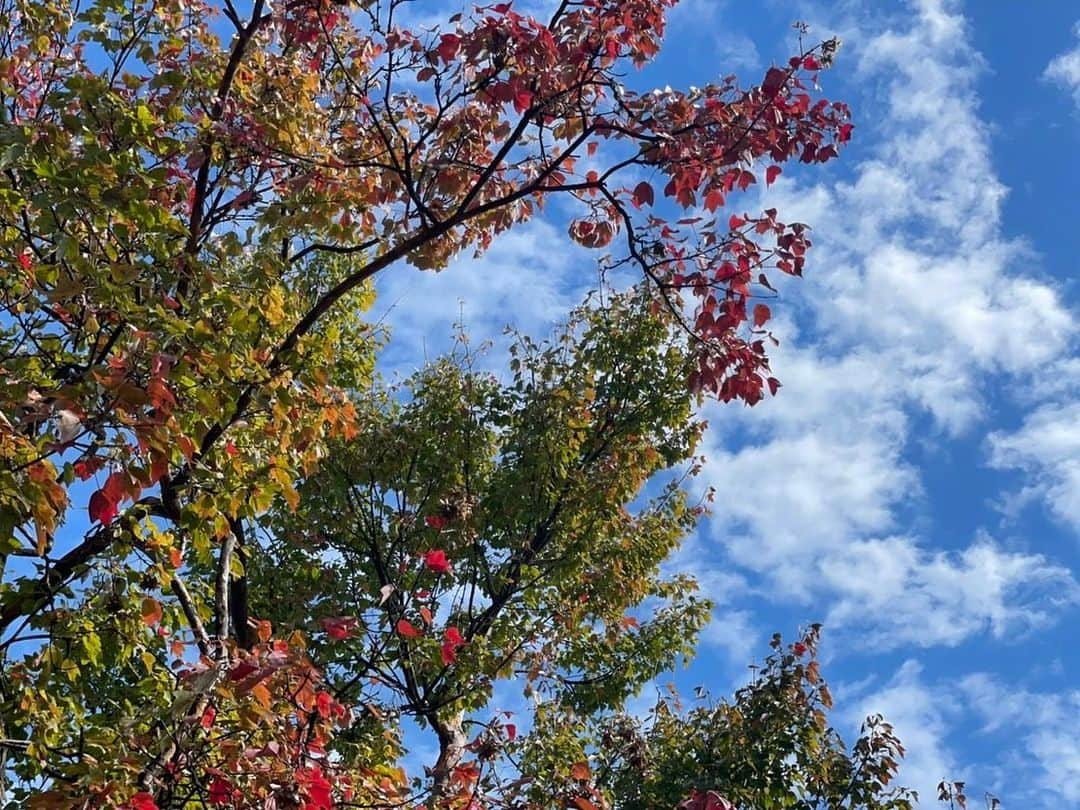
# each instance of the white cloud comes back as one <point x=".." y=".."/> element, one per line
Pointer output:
<point x="1047" y="448"/>
<point x="1037" y="764"/>
<point x="901" y="595"/>
<point x="735" y="632"/>
<point x="1064" y="69"/>
<point x="1041" y="728"/>
<point x="916" y="301"/>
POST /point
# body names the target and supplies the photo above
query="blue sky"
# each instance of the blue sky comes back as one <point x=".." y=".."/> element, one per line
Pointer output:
<point x="916" y="485"/>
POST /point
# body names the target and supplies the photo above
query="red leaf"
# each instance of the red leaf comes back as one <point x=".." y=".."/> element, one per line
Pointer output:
<point x="522" y="101"/>
<point x="436" y="561"/>
<point x="339" y="628"/>
<point x="643" y="194"/>
<point x="102" y="508"/>
<point x="735" y="222"/>
<point x="315" y="786"/>
<point x="406" y="630"/>
<point x="771" y="174"/>
<point x="745" y="179"/>
<point x="450" y="645"/>
<point x="761" y="314"/>
<point x="142" y="801"/>
<point x="241" y="670"/>
<point x="714" y="199"/>
<point x="86" y="467"/>
<point x="799" y="648"/>
<point x="220" y="791"/>
<point x="774" y="80"/>
<point x="263" y="629"/>
<point x="449" y="44"/>
<point x="437" y="522"/>
<point x="323" y="704"/>
<point x="448" y="653"/>
<point x="844" y="133"/>
<point x="25" y="261"/>
<point x="207" y="719"/>
<point x="810" y="63"/>
<point x="774" y="385"/>
<point x="116" y="486"/>
<point x="511" y="731"/>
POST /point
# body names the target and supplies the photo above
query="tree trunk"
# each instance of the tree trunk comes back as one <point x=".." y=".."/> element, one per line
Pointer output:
<point x="452" y="742"/>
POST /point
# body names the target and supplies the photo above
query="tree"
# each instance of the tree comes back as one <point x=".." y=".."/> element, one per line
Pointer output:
<point x="477" y="536"/>
<point x="479" y="533"/>
<point x="770" y="747"/>
<point x="192" y="204"/>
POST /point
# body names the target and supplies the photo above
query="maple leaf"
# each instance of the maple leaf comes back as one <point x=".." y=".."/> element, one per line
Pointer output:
<point x="406" y="629"/>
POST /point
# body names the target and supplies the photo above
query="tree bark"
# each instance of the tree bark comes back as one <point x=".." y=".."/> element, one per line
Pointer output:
<point x="452" y="742"/>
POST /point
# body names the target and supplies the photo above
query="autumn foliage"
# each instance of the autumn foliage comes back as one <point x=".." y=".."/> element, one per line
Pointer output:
<point x="193" y="201"/>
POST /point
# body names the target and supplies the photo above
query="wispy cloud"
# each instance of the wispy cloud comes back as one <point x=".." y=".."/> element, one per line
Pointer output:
<point x="1064" y="69"/>
<point x="917" y="307"/>
<point x="1047" y="448"/>
<point x="1041" y="726"/>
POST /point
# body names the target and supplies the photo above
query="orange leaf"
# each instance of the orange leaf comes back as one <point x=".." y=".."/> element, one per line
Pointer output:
<point x="261" y="694"/>
<point x="151" y="611"/>
<point x="581" y="771"/>
<point x="263" y="629"/>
